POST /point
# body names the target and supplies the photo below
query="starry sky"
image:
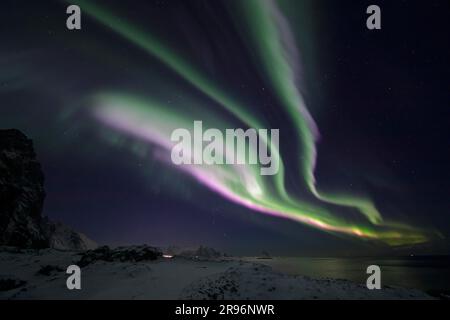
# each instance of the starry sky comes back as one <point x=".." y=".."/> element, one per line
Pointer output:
<point x="363" y="118"/>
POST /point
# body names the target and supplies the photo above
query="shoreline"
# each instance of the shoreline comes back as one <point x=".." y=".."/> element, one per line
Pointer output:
<point x="174" y="278"/>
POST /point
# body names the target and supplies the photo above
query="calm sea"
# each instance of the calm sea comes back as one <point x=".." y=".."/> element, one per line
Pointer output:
<point x="431" y="273"/>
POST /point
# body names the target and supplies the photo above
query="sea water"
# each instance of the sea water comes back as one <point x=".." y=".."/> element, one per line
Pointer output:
<point x="427" y="273"/>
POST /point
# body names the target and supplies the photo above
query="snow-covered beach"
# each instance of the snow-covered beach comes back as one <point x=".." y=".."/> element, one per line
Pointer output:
<point x="31" y="274"/>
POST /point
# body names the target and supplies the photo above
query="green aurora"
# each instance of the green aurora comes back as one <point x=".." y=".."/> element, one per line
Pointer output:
<point x="265" y="30"/>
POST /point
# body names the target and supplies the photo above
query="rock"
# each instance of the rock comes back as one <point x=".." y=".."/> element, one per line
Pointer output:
<point x="61" y="237"/>
<point x="21" y="192"/>
<point x="201" y="253"/>
<point x="9" y="283"/>
<point x="22" y="197"/>
<point x="48" y="270"/>
<point x="120" y="254"/>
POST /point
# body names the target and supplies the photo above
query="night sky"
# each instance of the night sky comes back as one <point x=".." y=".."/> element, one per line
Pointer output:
<point x="363" y="118"/>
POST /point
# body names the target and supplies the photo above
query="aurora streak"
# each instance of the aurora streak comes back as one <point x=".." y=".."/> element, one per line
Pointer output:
<point x="146" y="119"/>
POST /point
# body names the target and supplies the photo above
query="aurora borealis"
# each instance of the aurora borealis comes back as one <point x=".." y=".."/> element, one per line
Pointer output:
<point x="253" y="69"/>
<point x="238" y="183"/>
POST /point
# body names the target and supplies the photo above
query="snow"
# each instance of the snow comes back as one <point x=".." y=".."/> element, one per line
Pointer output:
<point x="175" y="278"/>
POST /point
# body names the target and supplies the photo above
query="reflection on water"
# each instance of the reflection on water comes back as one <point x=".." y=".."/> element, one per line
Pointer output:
<point x="431" y="274"/>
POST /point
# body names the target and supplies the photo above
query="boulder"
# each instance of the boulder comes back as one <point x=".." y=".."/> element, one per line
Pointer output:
<point x="120" y="254"/>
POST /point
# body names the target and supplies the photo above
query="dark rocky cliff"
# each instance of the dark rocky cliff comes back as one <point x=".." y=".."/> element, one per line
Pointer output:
<point x="21" y="192"/>
<point x="22" y="197"/>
